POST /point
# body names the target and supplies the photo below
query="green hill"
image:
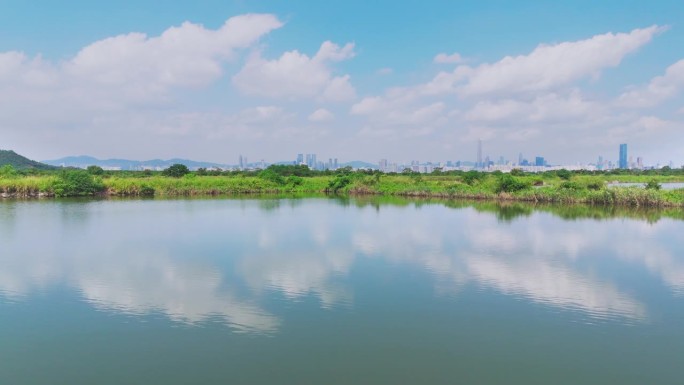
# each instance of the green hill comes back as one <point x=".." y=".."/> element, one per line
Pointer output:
<point x="20" y="162"/>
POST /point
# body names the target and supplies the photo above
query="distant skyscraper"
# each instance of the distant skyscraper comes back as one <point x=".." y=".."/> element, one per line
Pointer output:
<point x="241" y="162"/>
<point x="520" y="159"/>
<point x="383" y="165"/>
<point x="599" y="165"/>
<point x="300" y="158"/>
<point x="311" y="161"/>
<point x="623" y="156"/>
<point x="479" y="154"/>
<point x="539" y="161"/>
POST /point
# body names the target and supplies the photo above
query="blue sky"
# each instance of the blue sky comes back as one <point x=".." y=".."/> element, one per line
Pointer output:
<point x="75" y="79"/>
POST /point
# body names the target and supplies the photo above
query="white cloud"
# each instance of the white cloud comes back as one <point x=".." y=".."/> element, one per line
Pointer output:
<point x="659" y="89"/>
<point x="367" y="106"/>
<point x="296" y="75"/>
<point x="188" y="55"/>
<point x="321" y="115"/>
<point x="125" y="70"/>
<point x="443" y="58"/>
<point x="543" y="109"/>
<point x="546" y="67"/>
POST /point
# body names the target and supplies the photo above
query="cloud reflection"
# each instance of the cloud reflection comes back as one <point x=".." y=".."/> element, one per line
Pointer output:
<point x="311" y="250"/>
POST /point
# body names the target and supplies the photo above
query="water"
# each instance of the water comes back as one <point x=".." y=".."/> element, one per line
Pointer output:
<point x="334" y="291"/>
<point x="664" y="186"/>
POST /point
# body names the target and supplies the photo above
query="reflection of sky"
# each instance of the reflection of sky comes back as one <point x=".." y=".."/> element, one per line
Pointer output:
<point x="196" y="260"/>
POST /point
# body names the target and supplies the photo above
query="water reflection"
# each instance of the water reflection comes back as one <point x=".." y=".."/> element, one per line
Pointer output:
<point x="197" y="260"/>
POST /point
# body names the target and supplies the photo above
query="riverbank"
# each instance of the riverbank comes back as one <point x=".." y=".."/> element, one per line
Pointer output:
<point x="478" y="186"/>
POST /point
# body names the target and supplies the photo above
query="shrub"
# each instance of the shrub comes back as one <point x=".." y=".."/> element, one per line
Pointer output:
<point x="294" y="180"/>
<point x="77" y="182"/>
<point x="568" y="185"/>
<point x="564" y="174"/>
<point x="146" y="190"/>
<point x="95" y="170"/>
<point x="271" y="176"/>
<point x="339" y="182"/>
<point x="596" y="185"/>
<point x="653" y="185"/>
<point x="7" y="171"/>
<point x="509" y="183"/>
<point x="176" y="171"/>
<point x="472" y="176"/>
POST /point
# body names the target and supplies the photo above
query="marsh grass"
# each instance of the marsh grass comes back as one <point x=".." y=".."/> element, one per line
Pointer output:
<point x="494" y="187"/>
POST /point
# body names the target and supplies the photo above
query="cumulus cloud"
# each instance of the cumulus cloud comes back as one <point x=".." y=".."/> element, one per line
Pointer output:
<point x="546" y="67"/>
<point x="188" y="55"/>
<point x="659" y="89"/>
<point x="544" y="108"/>
<point x="443" y="58"/>
<point x="321" y="115"/>
<point x="297" y="75"/>
<point x="125" y="70"/>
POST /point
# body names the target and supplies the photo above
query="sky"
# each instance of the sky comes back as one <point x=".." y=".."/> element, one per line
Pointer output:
<point x="353" y="80"/>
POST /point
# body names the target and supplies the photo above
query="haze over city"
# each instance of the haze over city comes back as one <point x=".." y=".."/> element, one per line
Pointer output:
<point x="353" y="81"/>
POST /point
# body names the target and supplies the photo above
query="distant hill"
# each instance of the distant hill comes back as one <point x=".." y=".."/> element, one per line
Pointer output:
<point x="84" y="161"/>
<point x="360" y="164"/>
<point x="127" y="164"/>
<point x="20" y="162"/>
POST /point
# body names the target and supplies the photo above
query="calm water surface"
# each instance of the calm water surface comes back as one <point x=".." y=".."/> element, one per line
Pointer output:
<point x="325" y="291"/>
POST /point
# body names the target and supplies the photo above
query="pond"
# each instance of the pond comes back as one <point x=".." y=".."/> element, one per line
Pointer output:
<point x="664" y="186"/>
<point x="338" y="291"/>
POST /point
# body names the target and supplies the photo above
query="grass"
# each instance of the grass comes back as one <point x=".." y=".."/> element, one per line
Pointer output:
<point x="588" y="189"/>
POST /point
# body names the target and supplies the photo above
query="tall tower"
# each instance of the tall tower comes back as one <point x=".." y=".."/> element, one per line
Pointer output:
<point x="623" y="156"/>
<point x="479" y="153"/>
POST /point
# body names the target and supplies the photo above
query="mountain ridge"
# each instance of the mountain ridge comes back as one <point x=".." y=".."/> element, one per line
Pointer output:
<point x="20" y="162"/>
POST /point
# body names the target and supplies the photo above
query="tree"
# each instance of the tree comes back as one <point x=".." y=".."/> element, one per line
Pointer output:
<point x="176" y="171"/>
<point x="8" y="171"/>
<point x="77" y="182"/>
<point x="508" y="183"/>
<point x="564" y="174"/>
<point x="95" y="170"/>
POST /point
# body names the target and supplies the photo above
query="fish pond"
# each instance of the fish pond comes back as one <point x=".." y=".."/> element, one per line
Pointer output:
<point x="338" y="291"/>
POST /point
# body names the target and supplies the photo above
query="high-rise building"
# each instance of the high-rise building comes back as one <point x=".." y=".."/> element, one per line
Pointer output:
<point x="311" y="161"/>
<point x="520" y="159"/>
<point x="599" y="165"/>
<point x="539" y="161"/>
<point x="241" y="162"/>
<point x="479" y="154"/>
<point x="622" y="163"/>
<point x="335" y="164"/>
<point x="300" y="158"/>
<point x="383" y="165"/>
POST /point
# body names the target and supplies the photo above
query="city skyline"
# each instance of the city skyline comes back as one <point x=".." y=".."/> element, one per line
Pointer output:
<point x="266" y="79"/>
<point x="536" y="163"/>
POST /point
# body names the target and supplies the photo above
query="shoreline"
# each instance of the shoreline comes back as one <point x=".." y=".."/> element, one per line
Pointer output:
<point x="628" y="197"/>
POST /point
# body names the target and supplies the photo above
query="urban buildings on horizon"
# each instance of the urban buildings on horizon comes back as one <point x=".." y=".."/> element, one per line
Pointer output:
<point x="482" y="163"/>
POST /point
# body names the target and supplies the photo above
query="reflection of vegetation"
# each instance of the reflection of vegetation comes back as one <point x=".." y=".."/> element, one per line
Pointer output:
<point x="269" y="204"/>
<point x="508" y="211"/>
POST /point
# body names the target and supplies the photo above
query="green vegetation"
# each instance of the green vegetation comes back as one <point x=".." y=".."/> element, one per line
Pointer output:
<point x="551" y="187"/>
<point x="176" y="171"/>
<point x="18" y="162"/>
